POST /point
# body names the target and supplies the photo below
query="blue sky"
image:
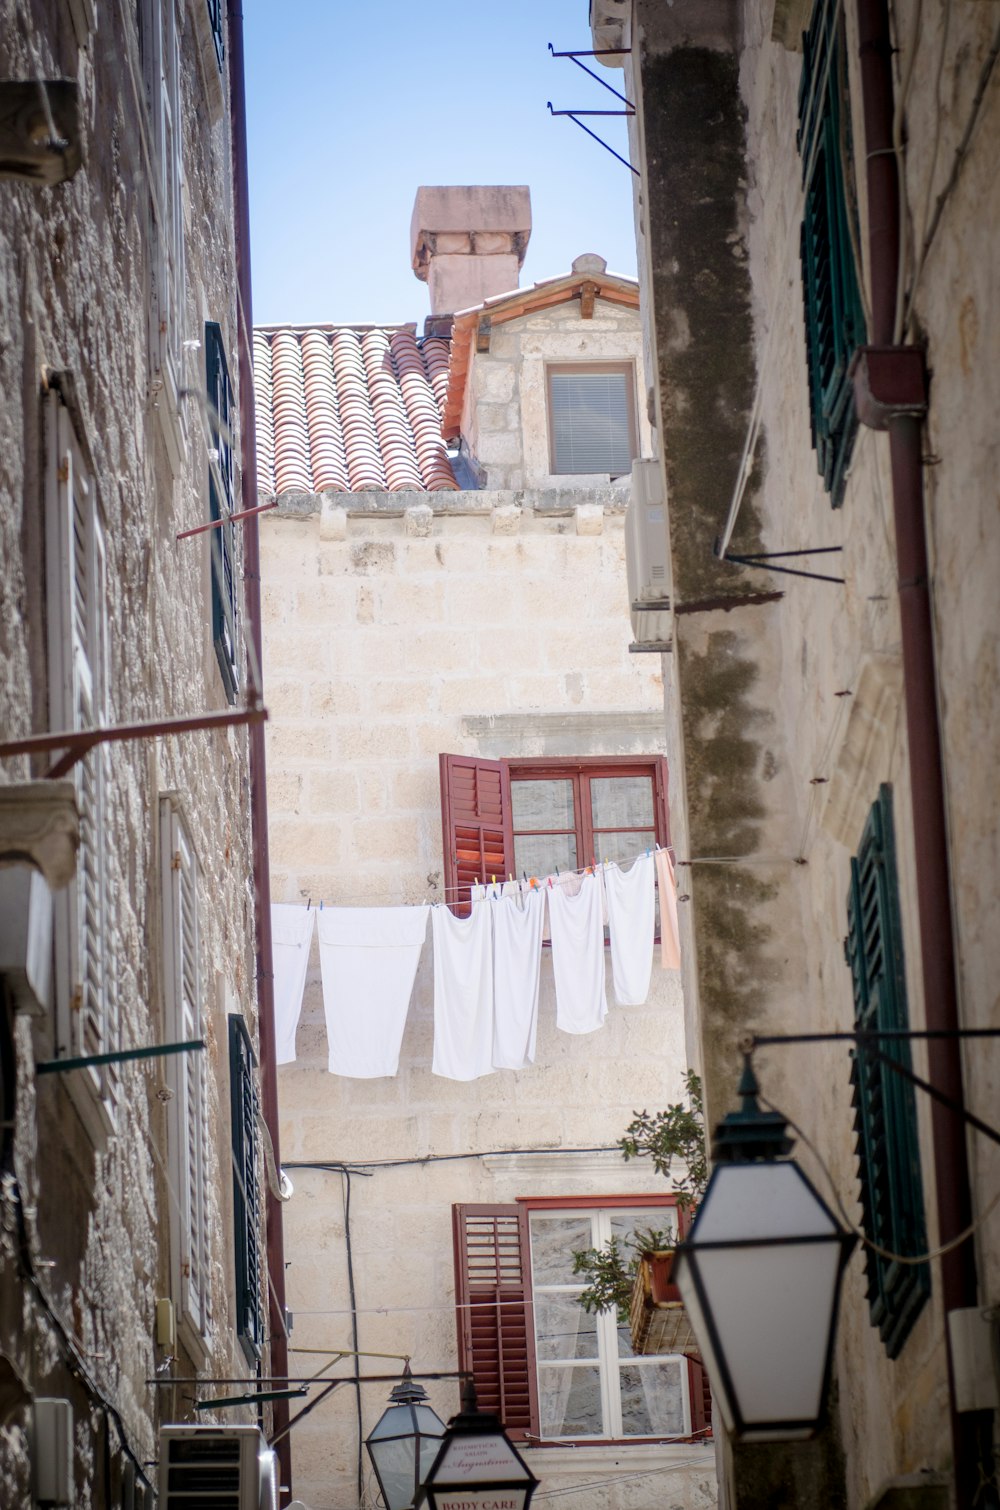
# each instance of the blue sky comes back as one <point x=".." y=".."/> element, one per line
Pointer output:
<point x="353" y="104"/>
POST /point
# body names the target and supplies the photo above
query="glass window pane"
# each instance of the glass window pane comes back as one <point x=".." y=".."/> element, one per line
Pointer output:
<point x="570" y="1401"/>
<point x="563" y="1329"/>
<point x="542" y="804"/>
<point x="589" y="414"/>
<point x="652" y="1398"/>
<point x="622" y="801"/>
<point x="542" y="854"/>
<point x="642" y="1219"/>
<point x="623" y="848"/>
<point x="554" y="1240"/>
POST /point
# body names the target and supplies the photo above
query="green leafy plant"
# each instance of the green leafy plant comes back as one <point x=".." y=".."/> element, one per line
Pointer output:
<point x="675" y="1134"/>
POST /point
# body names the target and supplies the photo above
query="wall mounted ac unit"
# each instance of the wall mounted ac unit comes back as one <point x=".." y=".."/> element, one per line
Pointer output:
<point x="216" y="1468"/>
<point x="647" y="559"/>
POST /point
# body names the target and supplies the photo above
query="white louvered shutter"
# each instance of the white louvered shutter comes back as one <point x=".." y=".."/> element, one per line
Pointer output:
<point x="78" y="652"/>
<point x="188" y="1111"/>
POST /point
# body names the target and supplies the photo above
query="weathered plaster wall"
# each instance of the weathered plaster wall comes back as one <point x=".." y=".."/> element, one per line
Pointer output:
<point x="73" y="274"/>
<point x="505" y="422"/>
<point x="397" y="628"/>
<point x="801" y="699"/>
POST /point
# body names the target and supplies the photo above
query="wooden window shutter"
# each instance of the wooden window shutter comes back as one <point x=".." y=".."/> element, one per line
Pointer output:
<point x="885" y="1120"/>
<point x="496" y="1333"/>
<point x="188" y="1109"/>
<point x="476" y="823"/>
<point x="700" y="1392"/>
<point x="247" y="1211"/>
<point x="221" y="483"/>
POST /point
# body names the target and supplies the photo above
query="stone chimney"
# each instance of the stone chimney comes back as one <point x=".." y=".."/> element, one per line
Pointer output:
<point x="468" y="243"/>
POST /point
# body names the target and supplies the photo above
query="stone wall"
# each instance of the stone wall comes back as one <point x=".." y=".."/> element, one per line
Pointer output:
<point x="398" y="627"/>
<point x="74" y="269"/>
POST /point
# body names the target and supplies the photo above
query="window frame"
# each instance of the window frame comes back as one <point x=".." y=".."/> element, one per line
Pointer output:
<point x="187" y="1109"/>
<point x="477" y="822"/>
<point x="624" y="367"/>
<point x="250" y="1259"/>
<point x="581" y="771"/>
<point x="512" y="1297"/>
<point x="77" y="640"/>
<point x="885" y="1114"/>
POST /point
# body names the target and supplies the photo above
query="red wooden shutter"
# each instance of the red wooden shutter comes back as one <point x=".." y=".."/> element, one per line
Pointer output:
<point x="701" y="1399"/>
<point x="496" y="1335"/>
<point x="476" y="823"/>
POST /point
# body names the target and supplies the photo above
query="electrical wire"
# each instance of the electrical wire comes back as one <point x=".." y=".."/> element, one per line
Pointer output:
<point x="886" y="1253"/>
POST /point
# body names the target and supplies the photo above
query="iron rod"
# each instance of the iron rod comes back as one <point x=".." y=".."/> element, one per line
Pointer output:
<point x="216" y="524"/>
<point x="84" y="1061"/>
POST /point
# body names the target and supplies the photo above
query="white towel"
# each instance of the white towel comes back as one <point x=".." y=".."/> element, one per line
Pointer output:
<point x="463" y="993"/>
<point x="291" y="941"/>
<point x="632" y="923"/>
<point x="517" y="959"/>
<point x="578" y="956"/>
<point x="670" y="947"/>
<point x="369" y="958"/>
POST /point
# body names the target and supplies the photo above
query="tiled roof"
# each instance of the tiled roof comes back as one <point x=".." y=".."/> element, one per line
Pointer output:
<point x="349" y="409"/>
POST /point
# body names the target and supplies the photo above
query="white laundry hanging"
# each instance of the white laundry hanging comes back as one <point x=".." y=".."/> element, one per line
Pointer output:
<point x="463" y="993"/>
<point x="670" y="947"/>
<point x="517" y="959"/>
<point x="369" y="958"/>
<point x="632" y="926"/>
<point x="577" y="927"/>
<point x="291" y="940"/>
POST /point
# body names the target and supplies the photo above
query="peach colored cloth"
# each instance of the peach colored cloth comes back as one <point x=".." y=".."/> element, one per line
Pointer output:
<point x="670" y="949"/>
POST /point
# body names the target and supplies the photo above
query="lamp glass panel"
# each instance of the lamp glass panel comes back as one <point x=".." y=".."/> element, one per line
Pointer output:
<point x="478" y="1458"/>
<point x="771" y="1199"/>
<point x="683" y="1274"/>
<point x="773" y="1308"/>
<point x="395" y="1460"/>
<point x="464" y="1498"/>
<point x="404" y="1420"/>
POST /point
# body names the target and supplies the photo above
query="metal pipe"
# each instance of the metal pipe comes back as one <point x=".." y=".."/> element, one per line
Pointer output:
<point x="258" y="773"/>
<point x="971" y="1431"/>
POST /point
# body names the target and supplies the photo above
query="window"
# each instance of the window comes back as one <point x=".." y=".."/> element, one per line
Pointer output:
<point x="834" y="315"/>
<point x="187" y="1111"/>
<point x="160" y="49"/>
<point x="884" y="1111"/>
<point x="506" y="817"/>
<point x="215" y="22"/>
<point x="77" y="595"/>
<point x="225" y="600"/>
<point x="247" y="1208"/>
<point x="592" y="422"/>
<point x="547" y="1368"/>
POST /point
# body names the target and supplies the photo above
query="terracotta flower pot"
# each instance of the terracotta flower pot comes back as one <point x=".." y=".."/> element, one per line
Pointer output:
<point x="659" y="1266"/>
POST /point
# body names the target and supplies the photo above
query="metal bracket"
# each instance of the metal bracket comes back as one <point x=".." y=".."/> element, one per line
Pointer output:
<point x="761" y="558"/>
<point x="85" y="1061"/>
<point x="606" y="52"/>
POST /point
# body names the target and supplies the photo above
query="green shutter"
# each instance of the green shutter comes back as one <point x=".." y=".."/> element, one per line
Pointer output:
<point x="247" y="1212"/>
<point x="834" y="314"/>
<point x="225" y="604"/>
<point x="215" y="22"/>
<point x="885" y="1119"/>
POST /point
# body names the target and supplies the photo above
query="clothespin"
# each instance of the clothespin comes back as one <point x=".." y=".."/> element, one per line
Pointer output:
<point x="321" y="904"/>
<point x="309" y="904"/>
<point x="550" y="881"/>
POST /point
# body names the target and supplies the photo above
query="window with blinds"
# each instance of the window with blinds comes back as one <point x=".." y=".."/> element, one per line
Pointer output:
<point x="77" y="643"/>
<point x="834" y="314"/>
<point x="248" y="1213"/>
<point x="885" y="1118"/>
<point x="187" y="1109"/>
<point x="592" y="423"/>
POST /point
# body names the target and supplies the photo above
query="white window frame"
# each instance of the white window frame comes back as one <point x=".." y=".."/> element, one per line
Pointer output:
<point x="161" y="64"/>
<point x="609" y="1360"/>
<point x="187" y="1108"/>
<point x="87" y="1019"/>
<point x="623" y="368"/>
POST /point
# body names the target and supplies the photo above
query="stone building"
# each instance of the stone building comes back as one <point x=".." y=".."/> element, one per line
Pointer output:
<point x="133" y="1249"/>
<point x="815" y="209"/>
<point x="436" y="616"/>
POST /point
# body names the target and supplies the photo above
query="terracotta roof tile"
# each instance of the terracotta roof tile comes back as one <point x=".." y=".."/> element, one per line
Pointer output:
<point x="350" y="409"/>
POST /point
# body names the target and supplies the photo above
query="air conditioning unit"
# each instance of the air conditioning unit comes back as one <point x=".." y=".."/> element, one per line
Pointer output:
<point x="647" y="559"/>
<point x="216" y="1468"/>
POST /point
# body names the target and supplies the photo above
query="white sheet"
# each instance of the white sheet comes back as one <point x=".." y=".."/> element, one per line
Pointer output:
<point x="517" y="959"/>
<point x="463" y="992"/>
<point x="578" y="956"/>
<point x="291" y="940"/>
<point x="632" y="925"/>
<point x="369" y="958"/>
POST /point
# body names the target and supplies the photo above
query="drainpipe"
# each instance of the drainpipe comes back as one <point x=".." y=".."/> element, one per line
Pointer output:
<point x="891" y="394"/>
<point x="258" y="786"/>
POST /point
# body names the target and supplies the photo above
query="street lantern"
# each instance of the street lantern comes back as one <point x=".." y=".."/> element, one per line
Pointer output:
<point x="477" y="1467"/>
<point x="760" y="1274"/>
<point x="404" y="1443"/>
